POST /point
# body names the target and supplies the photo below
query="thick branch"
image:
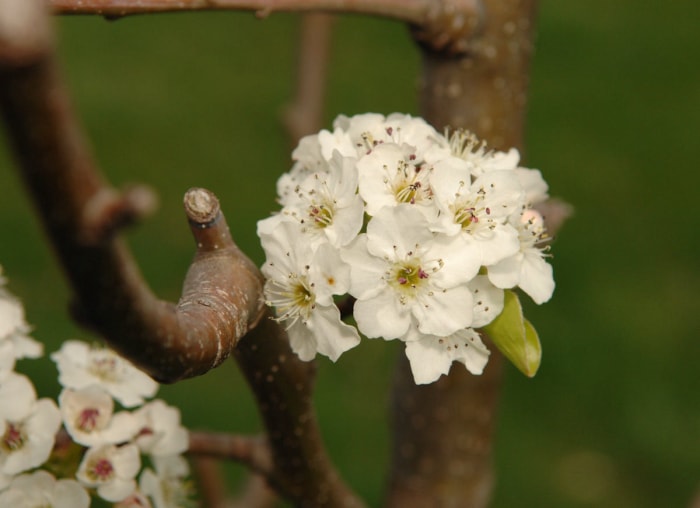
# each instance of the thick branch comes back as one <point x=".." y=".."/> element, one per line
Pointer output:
<point x="282" y="385"/>
<point x="81" y="213"/>
<point x="442" y="451"/>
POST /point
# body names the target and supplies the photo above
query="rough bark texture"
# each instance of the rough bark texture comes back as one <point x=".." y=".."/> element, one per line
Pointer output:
<point x="283" y="386"/>
<point x="443" y="432"/>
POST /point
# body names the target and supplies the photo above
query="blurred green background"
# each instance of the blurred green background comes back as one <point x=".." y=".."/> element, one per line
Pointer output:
<point x="612" y="418"/>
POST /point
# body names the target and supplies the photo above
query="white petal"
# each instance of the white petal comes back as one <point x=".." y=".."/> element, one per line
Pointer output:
<point x="302" y="341"/>
<point x="366" y="271"/>
<point x="117" y="490"/>
<point x="536" y="277"/>
<point x="488" y="301"/>
<point x="17" y="397"/>
<point x="396" y="231"/>
<point x="445" y="312"/>
<point x="428" y="360"/>
<point x="332" y="336"/>
<point x="432" y="356"/>
<point x="382" y="316"/>
<point x="328" y="274"/>
<point x="11" y="316"/>
<point x="506" y="273"/>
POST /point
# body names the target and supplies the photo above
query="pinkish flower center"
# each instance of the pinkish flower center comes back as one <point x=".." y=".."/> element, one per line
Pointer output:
<point x="87" y="421"/>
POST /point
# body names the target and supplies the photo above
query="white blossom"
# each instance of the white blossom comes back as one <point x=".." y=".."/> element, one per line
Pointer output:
<point x="405" y="277"/>
<point x="89" y="418"/>
<point x="300" y="285"/>
<point x="15" y="330"/>
<point x="467" y="147"/>
<point x="424" y="230"/>
<point x="41" y="490"/>
<point x="81" y="365"/>
<point x="390" y="176"/>
<point x="527" y="268"/>
<point x="478" y="211"/>
<point x="431" y="356"/>
<point x="27" y="426"/>
<point x="325" y="205"/>
<point x="166" y="486"/>
<point x="111" y="470"/>
<point x="160" y="430"/>
<point x="136" y="499"/>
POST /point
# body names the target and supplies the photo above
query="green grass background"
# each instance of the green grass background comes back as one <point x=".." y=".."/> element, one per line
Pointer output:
<point x="612" y="418"/>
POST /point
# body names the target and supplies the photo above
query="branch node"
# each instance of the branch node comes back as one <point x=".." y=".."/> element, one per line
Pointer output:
<point x="108" y="211"/>
<point x="201" y="206"/>
<point x="450" y="26"/>
<point x="25" y="32"/>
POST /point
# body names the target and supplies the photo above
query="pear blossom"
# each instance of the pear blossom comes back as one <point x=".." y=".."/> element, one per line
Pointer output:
<point x="404" y="277"/>
<point x="448" y="225"/>
<point x="300" y="285"/>
<point x="5" y="480"/>
<point x="464" y="145"/>
<point x="478" y="211"/>
<point x="81" y="365"/>
<point x="325" y="205"/>
<point x="432" y="356"/>
<point x="41" y="489"/>
<point x="160" y="430"/>
<point x="533" y="185"/>
<point x="367" y="131"/>
<point x="15" y="330"/>
<point x="166" y="486"/>
<point x="527" y="268"/>
<point x="89" y="418"/>
<point x="27" y="426"/>
<point x="136" y="499"/>
<point x="110" y="469"/>
<point x="7" y="359"/>
<point x="389" y="176"/>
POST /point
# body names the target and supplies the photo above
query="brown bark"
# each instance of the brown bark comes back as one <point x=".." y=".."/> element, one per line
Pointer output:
<point x="283" y="385"/>
<point x="412" y="11"/>
<point x="304" y="115"/>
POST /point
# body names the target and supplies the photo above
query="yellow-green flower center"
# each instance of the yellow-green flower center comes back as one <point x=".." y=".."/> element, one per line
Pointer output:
<point x="321" y="215"/>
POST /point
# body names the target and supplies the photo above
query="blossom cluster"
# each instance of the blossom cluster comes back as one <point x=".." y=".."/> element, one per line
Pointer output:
<point x="424" y="231"/>
<point x="110" y="443"/>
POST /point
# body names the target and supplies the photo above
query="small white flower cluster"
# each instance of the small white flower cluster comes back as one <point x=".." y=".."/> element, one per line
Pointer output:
<point x="423" y="230"/>
<point x="114" y="441"/>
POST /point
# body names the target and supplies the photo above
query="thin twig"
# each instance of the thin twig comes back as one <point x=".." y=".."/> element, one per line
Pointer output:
<point x="413" y="11"/>
<point x="255" y="494"/>
<point x="304" y="115"/>
<point x="211" y="487"/>
<point x="253" y="451"/>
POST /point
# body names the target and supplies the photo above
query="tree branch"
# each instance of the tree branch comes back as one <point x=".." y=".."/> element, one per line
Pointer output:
<point x="304" y="115"/>
<point x="252" y="451"/>
<point x="442" y="24"/>
<point x="81" y="213"/>
<point x="406" y="10"/>
<point x="442" y="450"/>
<point x="282" y="385"/>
